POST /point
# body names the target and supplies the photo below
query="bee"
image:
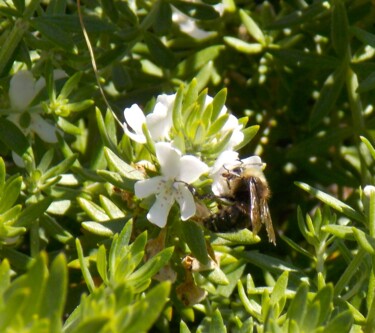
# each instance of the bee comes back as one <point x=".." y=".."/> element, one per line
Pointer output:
<point x="244" y="200"/>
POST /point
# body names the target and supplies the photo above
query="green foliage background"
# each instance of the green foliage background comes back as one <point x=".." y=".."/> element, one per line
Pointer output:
<point x="73" y="259"/>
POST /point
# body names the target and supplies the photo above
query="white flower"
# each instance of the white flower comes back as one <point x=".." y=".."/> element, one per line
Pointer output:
<point x="176" y="172"/>
<point x="22" y="90"/>
<point x="158" y="123"/>
<point x="227" y="161"/>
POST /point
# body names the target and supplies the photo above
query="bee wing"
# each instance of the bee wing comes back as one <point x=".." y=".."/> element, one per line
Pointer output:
<point x="255" y="215"/>
<point x="266" y="219"/>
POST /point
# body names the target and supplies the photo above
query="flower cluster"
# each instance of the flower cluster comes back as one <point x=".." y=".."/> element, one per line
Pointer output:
<point x="191" y="137"/>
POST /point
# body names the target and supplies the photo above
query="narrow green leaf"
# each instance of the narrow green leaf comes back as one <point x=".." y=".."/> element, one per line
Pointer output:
<point x="368" y="145"/>
<point x="299" y="16"/>
<point x="299" y="58"/>
<point x="148" y="307"/>
<point x="53" y="32"/>
<point x="340" y="231"/>
<point x="125" y="170"/>
<point x="32" y="212"/>
<point x="328" y="95"/>
<point x="339" y="28"/>
<point x="55" y="230"/>
<point x="107" y="140"/>
<point x="217" y="323"/>
<point x="110" y="208"/>
<point x="184" y="328"/>
<point x="324" y="299"/>
<point x="364" y="36"/>
<point x="249" y="134"/>
<point x="101" y="263"/>
<point x="99" y="229"/>
<point x="365" y="241"/>
<point x="193" y="63"/>
<point x="279" y="288"/>
<point x="54" y="296"/>
<point x="367" y="84"/>
<point x="341" y="323"/>
<point x="251" y="27"/>
<point x="332" y="202"/>
<point x="243" y="47"/>
<point x="152" y="266"/>
<point x="298" y="306"/>
<point x="194" y="238"/>
<point x="84" y="267"/>
<point x="93" y="210"/>
<point x="162" y="56"/>
<point x="10" y="193"/>
<point x="13" y="39"/>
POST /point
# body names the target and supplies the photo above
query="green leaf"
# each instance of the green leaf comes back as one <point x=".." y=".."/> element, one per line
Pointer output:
<point x="279" y="288"/>
<point x="163" y="21"/>
<point x="339" y="28"/>
<point x="5" y="275"/>
<point x="217" y="323"/>
<point x="303" y="59"/>
<point x="243" y="47"/>
<point x="298" y="306"/>
<point x="101" y="263"/>
<point x="110" y="208"/>
<point x="124" y="169"/>
<point x="193" y="235"/>
<point x="55" y="230"/>
<point x="148" y="307"/>
<point x="93" y="210"/>
<point x="368" y="145"/>
<point x="252" y="28"/>
<point x="108" y="140"/>
<point x="324" y="299"/>
<point x="332" y="202"/>
<point x="10" y="43"/>
<point x="249" y="134"/>
<point x="84" y="267"/>
<point x="299" y="16"/>
<point x="12" y="136"/>
<point x="32" y="212"/>
<point x="243" y="236"/>
<point x="99" y="229"/>
<point x="198" y="11"/>
<point x="328" y="95"/>
<point x="150" y="268"/>
<point x="364" y="36"/>
<point x="341" y="323"/>
<point x="367" y="84"/>
<point x="193" y="63"/>
<point x="162" y="56"/>
<point x="10" y="193"/>
<point x="60" y="168"/>
<point x="54" y="296"/>
<point x="365" y="241"/>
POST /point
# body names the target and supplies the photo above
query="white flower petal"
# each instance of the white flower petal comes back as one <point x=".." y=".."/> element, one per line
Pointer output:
<point x="254" y="161"/>
<point x="159" y="211"/>
<point x="169" y="159"/>
<point x="22" y="90"/>
<point x="44" y="129"/>
<point x="144" y="188"/>
<point x="159" y="122"/>
<point x="191" y="168"/>
<point x="186" y="201"/>
<point x="134" y="120"/>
